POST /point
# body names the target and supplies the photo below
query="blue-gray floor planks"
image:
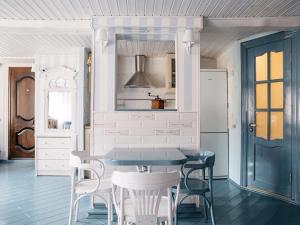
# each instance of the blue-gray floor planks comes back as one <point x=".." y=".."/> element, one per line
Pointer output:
<point x="29" y="200"/>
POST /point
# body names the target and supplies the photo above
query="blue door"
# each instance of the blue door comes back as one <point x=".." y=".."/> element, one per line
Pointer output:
<point x="268" y="129"/>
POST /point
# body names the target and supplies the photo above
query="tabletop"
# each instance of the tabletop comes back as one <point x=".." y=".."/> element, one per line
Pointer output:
<point x="144" y="157"/>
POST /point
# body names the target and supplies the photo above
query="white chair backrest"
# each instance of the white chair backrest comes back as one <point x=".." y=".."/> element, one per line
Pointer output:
<point x="75" y="160"/>
<point x="145" y="192"/>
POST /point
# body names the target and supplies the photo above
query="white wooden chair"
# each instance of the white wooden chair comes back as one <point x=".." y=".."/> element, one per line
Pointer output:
<point x="146" y="204"/>
<point x="96" y="187"/>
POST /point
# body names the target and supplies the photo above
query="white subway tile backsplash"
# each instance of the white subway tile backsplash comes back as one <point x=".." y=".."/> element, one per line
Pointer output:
<point x="142" y="131"/>
<point x="98" y="131"/>
<point x="180" y="124"/>
<point x="179" y="140"/>
<point x="116" y="132"/>
<point x="189" y="147"/>
<point x="98" y="140"/>
<point x="167" y="132"/>
<point x="128" y="124"/>
<point x="119" y="116"/>
<point x="108" y="147"/>
<point x="166" y="116"/>
<point x="159" y="146"/>
<point x="98" y="149"/>
<point x="128" y="140"/>
<point x="98" y="117"/>
<point x="150" y="146"/>
<point x="105" y="124"/>
<point x="154" y="124"/>
<point x="188" y="116"/>
<point x="142" y="116"/>
<point x="154" y="140"/>
<point x="188" y="132"/>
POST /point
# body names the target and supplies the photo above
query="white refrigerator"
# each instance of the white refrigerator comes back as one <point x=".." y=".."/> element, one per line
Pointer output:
<point x="213" y="117"/>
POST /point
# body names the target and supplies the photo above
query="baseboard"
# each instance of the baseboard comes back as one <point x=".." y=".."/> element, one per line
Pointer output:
<point x="264" y="193"/>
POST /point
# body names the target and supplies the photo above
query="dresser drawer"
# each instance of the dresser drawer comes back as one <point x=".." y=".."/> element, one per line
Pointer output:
<point x="54" y="153"/>
<point x="53" y="165"/>
<point x="54" y="143"/>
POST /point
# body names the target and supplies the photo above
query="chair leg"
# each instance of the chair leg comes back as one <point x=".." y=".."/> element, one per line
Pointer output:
<point x="213" y="222"/>
<point x="176" y="218"/>
<point x="71" y="209"/>
<point x="109" y="210"/>
<point x="205" y="209"/>
<point x="77" y="209"/>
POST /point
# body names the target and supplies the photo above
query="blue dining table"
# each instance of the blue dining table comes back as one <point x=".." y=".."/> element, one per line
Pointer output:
<point x="144" y="157"/>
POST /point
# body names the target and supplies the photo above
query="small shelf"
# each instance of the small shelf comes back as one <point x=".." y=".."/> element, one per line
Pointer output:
<point x="159" y="110"/>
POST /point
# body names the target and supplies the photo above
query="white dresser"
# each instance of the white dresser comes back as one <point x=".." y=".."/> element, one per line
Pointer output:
<point x="52" y="154"/>
<point x="59" y="126"/>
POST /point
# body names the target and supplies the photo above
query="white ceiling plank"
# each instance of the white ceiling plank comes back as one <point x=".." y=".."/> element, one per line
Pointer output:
<point x="167" y="6"/>
<point x="258" y="22"/>
<point x="158" y="7"/>
<point x="294" y="11"/>
<point x="50" y="14"/>
<point x="184" y="7"/>
<point x="202" y="7"/>
<point x="149" y="7"/>
<point x="33" y="7"/>
<point x="291" y="6"/>
<point x="96" y="7"/>
<point x="140" y="7"/>
<point x="114" y="7"/>
<point x="105" y="7"/>
<point x="131" y="7"/>
<point x="176" y="7"/>
<point x="85" y="9"/>
<point x="53" y="10"/>
<point x="16" y="14"/>
<point x="123" y="7"/>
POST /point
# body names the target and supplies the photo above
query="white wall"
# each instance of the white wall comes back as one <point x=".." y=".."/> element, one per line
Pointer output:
<point x="4" y="79"/>
<point x="208" y="63"/>
<point x="148" y="129"/>
<point x="231" y="60"/>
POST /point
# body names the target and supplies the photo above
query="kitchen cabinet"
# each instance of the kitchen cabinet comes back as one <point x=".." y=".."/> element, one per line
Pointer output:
<point x="213" y="117"/>
<point x="170" y="79"/>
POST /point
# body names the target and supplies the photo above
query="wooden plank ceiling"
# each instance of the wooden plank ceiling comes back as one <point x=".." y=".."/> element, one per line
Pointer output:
<point x="84" y="9"/>
<point x="15" y="43"/>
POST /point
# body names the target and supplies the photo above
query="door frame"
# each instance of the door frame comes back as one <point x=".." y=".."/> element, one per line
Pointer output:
<point x="244" y="104"/>
<point x="9" y="127"/>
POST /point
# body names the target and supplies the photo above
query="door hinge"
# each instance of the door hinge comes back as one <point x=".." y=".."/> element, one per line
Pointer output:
<point x="290" y="178"/>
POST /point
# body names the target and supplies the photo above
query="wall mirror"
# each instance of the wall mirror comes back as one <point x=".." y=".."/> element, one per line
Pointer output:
<point x="59" y="110"/>
<point x="146" y="72"/>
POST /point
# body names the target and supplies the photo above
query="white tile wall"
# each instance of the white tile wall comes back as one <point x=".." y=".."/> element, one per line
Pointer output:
<point x="144" y="129"/>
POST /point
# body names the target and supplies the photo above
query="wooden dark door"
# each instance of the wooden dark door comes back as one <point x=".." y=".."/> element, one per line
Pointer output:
<point x="21" y="133"/>
<point x="269" y="117"/>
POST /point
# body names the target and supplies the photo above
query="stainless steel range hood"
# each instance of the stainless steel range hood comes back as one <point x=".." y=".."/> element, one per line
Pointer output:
<point x="139" y="79"/>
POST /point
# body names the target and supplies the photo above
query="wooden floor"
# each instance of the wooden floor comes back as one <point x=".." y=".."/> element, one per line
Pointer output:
<point x="29" y="200"/>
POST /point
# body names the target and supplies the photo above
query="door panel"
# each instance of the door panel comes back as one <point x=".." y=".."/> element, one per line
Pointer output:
<point x="21" y="138"/>
<point x="269" y="118"/>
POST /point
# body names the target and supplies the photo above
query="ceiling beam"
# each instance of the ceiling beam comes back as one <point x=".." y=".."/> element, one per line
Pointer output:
<point x="254" y="22"/>
<point x="45" y="26"/>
